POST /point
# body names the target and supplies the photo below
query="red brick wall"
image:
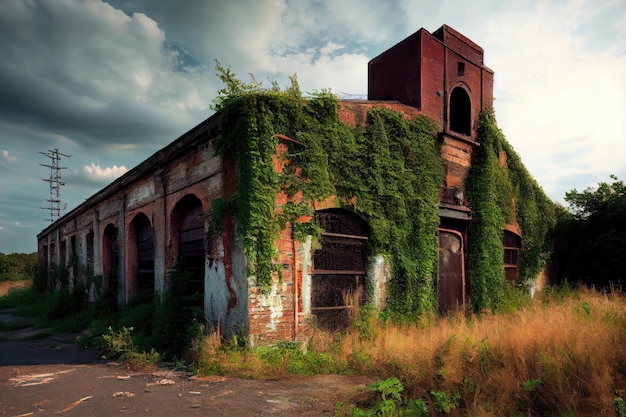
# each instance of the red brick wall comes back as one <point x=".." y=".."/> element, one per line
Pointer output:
<point x="395" y="74"/>
<point x="458" y="42"/>
<point x="433" y="79"/>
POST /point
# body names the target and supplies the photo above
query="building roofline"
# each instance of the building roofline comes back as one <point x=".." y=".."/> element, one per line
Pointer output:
<point x="439" y="39"/>
<point x="210" y="126"/>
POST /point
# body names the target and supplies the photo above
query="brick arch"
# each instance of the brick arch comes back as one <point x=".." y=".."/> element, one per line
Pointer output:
<point x="140" y="256"/>
<point x="460" y="120"/>
<point x="188" y="243"/>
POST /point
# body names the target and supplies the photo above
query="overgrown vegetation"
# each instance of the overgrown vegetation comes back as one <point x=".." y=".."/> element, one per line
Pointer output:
<point x="501" y="191"/>
<point x="387" y="171"/>
<point x="145" y="330"/>
<point x="555" y="355"/>
<point x="591" y="245"/>
<point x="17" y="266"/>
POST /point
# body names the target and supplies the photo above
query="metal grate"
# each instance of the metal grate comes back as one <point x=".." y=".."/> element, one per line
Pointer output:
<point x="340" y="269"/>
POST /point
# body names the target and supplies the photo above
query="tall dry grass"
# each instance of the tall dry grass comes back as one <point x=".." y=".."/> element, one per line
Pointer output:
<point x="560" y="356"/>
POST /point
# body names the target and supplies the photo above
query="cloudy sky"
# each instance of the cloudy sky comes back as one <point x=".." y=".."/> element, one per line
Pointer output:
<point x="110" y="82"/>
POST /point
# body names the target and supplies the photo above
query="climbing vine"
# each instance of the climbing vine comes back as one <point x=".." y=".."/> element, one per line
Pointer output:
<point x="387" y="171"/>
<point x="500" y="193"/>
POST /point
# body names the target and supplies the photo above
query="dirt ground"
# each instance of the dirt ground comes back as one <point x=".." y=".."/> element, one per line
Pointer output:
<point x="7" y="286"/>
<point x="51" y="376"/>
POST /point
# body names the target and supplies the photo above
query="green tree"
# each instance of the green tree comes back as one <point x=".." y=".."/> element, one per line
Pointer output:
<point x="591" y="238"/>
<point x="17" y="266"/>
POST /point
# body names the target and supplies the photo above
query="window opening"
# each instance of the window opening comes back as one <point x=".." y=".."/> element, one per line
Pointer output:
<point x="461" y="68"/>
<point x="90" y="237"/>
<point x="145" y="253"/>
<point x="340" y="269"/>
<point x="110" y="257"/>
<point x="460" y="111"/>
<point x="188" y="220"/>
<point x="63" y="253"/>
<point x="512" y="246"/>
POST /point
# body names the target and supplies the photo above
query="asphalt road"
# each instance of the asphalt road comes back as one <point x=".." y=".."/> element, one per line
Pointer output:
<point x="51" y="376"/>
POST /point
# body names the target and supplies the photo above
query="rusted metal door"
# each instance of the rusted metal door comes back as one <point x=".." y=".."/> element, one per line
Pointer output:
<point x="451" y="271"/>
<point x="340" y="269"/>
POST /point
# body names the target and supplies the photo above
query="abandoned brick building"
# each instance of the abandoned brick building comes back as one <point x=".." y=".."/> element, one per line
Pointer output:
<point x="159" y="213"/>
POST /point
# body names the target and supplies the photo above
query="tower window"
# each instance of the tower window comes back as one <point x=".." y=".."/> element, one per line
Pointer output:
<point x="512" y="247"/>
<point x="461" y="68"/>
<point x="460" y="111"/>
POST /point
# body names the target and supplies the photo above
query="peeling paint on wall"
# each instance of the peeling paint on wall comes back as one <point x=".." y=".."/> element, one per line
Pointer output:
<point x="141" y="194"/>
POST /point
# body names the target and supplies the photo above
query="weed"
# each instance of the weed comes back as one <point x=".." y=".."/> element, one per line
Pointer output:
<point x="22" y="299"/>
<point x="141" y="361"/>
<point x="389" y="392"/>
<point x="118" y="343"/>
<point x="416" y="408"/>
<point x="391" y="387"/>
<point x="532" y="384"/>
<point x="444" y="402"/>
<point x="620" y="406"/>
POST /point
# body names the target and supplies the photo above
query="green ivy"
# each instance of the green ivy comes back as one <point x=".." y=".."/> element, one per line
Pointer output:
<point x="390" y="170"/>
<point x="498" y="195"/>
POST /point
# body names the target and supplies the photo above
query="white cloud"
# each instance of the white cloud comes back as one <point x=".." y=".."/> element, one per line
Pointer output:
<point x="72" y="67"/>
<point x="6" y="155"/>
<point x="98" y="174"/>
<point x="120" y="79"/>
<point x="560" y="92"/>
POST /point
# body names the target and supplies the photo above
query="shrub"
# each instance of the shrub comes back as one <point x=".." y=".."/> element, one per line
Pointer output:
<point x="117" y="343"/>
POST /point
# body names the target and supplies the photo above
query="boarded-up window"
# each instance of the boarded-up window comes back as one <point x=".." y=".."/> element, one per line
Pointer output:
<point x="512" y="246"/>
<point x="110" y="256"/>
<point x="145" y="253"/>
<point x="90" y="249"/>
<point x="340" y="269"/>
<point x="188" y="221"/>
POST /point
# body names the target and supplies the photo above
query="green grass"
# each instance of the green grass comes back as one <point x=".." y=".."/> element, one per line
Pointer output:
<point x="558" y="354"/>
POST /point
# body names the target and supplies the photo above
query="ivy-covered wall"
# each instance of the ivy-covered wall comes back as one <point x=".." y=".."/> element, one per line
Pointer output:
<point x="501" y="191"/>
<point x="388" y="171"/>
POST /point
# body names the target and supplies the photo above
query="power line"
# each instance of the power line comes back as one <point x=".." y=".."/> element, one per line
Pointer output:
<point x="55" y="183"/>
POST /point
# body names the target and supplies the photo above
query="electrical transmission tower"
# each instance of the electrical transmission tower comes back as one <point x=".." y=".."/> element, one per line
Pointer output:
<point x="55" y="183"/>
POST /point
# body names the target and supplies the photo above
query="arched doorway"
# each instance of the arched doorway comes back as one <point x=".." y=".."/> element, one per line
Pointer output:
<point x="460" y="111"/>
<point x="144" y="246"/>
<point x="339" y="285"/>
<point x="188" y="228"/>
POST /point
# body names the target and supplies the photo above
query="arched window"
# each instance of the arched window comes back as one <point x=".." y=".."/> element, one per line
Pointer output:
<point x="512" y="246"/>
<point x="144" y="246"/>
<point x="340" y="269"/>
<point x="460" y="111"/>
<point x="110" y="257"/>
<point x="188" y="229"/>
